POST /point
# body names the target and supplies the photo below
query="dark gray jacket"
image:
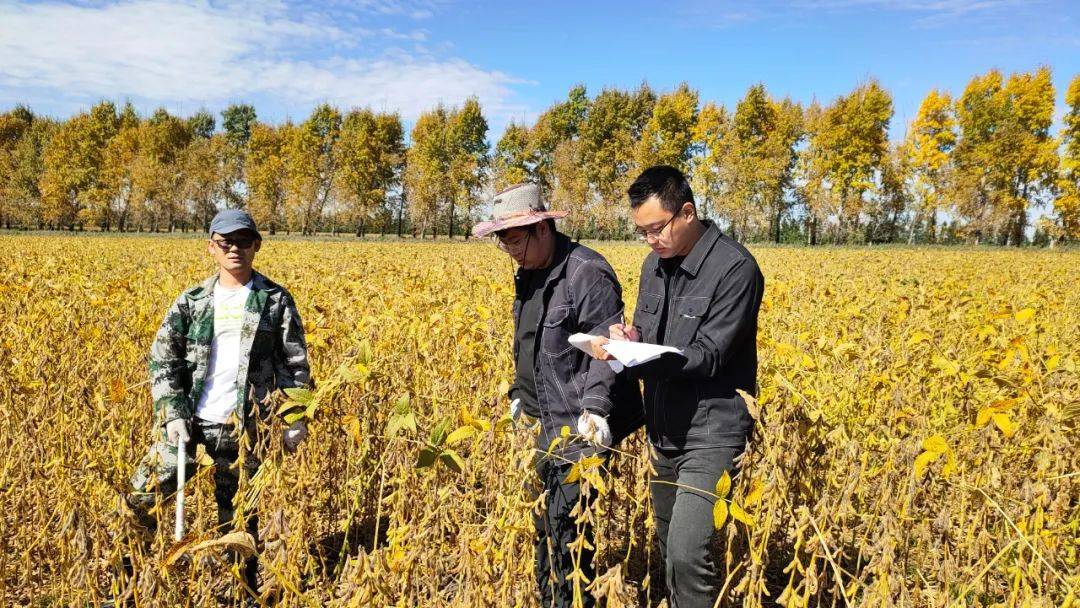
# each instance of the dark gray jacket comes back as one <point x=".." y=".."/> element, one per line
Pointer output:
<point x="712" y="313"/>
<point x="582" y="294"/>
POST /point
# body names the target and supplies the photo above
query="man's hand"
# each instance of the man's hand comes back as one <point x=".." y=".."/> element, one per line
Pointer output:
<point x="597" y="347"/>
<point x="622" y="331"/>
<point x="594" y="428"/>
<point x="176" y="429"/>
<point x="293" y="435"/>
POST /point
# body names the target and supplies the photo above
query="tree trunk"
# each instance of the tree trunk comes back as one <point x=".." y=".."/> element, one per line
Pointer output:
<point x="1018" y="227"/>
<point x="911" y="230"/>
<point x="779" y="217"/>
<point x="450" y="234"/>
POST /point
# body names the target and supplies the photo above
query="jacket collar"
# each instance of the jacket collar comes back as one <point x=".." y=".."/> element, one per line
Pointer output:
<point x="691" y="264"/>
<point x="258" y="283"/>
<point x="693" y="261"/>
<point x="558" y="260"/>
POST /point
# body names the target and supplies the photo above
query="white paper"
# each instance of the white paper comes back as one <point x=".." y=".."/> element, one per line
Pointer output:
<point x="636" y="353"/>
<point x="626" y="353"/>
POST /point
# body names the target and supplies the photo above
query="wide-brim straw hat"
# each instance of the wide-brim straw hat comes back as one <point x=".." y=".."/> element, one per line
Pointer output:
<point x="514" y="207"/>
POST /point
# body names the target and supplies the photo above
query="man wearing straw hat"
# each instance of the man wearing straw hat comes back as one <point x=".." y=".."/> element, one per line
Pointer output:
<point x="561" y="288"/>
<point x="224" y="347"/>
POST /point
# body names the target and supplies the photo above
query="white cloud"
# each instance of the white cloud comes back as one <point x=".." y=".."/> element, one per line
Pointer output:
<point x="415" y="9"/>
<point x="926" y="12"/>
<point x="932" y="12"/>
<point x="196" y="53"/>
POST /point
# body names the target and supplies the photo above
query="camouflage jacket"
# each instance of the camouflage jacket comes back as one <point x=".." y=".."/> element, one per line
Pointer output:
<point x="273" y="353"/>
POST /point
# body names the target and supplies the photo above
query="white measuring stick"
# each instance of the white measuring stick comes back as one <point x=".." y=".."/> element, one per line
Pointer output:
<point x="181" y="477"/>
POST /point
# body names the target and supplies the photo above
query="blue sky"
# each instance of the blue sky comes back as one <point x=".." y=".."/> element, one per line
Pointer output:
<point x="60" y="57"/>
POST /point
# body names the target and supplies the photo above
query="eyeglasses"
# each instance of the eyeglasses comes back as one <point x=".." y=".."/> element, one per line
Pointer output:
<point x="227" y="244"/>
<point x="512" y="246"/>
<point x="654" y="234"/>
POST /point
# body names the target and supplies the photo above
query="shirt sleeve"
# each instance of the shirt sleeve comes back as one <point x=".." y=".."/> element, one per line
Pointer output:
<point x="601" y="306"/>
<point x="292" y="368"/>
<point x="168" y="366"/>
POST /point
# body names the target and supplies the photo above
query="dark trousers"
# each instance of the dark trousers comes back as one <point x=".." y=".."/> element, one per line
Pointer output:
<point x="555" y="531"/>
<point x="684" y="520"/>
<point x="155" y="478"/>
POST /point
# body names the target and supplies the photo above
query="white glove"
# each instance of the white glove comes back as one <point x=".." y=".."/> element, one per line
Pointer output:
<point x="293" y="435"/>
<point x="594" y="428"/>
<point x="176" y="429"/>
<point x="519" y="418"/>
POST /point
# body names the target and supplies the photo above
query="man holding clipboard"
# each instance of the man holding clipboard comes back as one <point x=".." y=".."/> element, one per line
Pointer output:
<point x="700" y="292"/>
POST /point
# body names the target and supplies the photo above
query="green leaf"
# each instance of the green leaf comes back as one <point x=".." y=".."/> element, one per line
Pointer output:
<point x="402" y="404"/>
<point x="452" y="461"/>
<point x="288" y="407"/>
<point x="349" y="373"/>
<point x="300" y="395"/>
<point x="460" y="434"/>
<point x="503" y="422"/>
<point x="394" y="425"/>
<point x="366" y="355"/>
<point x="426" y="458"/>
<point x="408" y="421"/>
<point x="438" y="434"/>
<point x="293" y="417"/>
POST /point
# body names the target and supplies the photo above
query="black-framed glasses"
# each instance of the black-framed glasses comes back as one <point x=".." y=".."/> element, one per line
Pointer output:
<point x="240" y="243"/>
<point x="655" y="234"/>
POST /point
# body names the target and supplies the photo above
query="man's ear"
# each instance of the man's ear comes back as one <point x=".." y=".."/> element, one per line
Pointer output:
<point x="689" y="210"/>
<point x="257" y="245"/>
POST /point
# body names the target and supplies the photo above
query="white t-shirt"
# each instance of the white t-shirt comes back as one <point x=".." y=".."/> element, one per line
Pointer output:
<point x="219" y="395"/>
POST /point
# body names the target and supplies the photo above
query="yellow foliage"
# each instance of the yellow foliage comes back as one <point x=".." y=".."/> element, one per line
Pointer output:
<point x="866" y="471"/>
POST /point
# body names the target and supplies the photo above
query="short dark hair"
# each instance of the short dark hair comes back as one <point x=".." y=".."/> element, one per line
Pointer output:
<point x="666" y="183"/>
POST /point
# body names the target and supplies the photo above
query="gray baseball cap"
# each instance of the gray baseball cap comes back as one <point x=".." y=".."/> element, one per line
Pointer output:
<point x="233" y="220"/>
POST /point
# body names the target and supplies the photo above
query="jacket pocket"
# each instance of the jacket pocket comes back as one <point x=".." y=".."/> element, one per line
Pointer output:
<point x="647" y="315"/>
<point x="723" y="411"/>
<point x="559" y="324"/>
<point x="689" y="312"/>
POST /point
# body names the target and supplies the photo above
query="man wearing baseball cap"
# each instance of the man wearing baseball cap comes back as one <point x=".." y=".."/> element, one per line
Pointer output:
<point x="224" y="347"/>
<point x="561" y="288"/>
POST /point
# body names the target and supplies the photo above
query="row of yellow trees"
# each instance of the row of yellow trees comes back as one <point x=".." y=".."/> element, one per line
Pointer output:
<point x="972" y="168"/>
<point x="112" y="168"/>
<point x="981" y="161"/>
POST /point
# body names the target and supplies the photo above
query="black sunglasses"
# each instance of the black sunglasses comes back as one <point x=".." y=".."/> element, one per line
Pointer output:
<point x="239" y="243"/>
